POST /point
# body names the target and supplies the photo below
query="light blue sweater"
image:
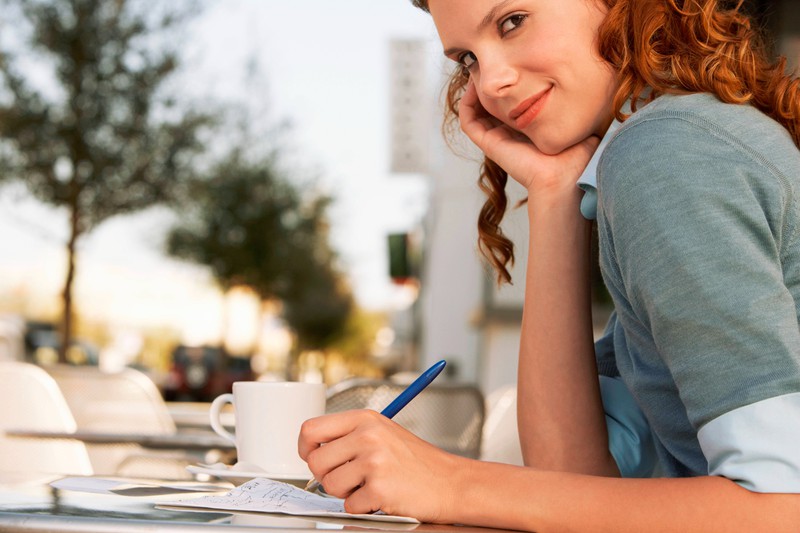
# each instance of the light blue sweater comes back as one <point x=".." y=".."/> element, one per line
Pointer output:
<point x="698" y="219"/>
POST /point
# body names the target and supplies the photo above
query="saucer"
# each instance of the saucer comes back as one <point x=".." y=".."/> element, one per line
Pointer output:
<point x="243" y="472"/>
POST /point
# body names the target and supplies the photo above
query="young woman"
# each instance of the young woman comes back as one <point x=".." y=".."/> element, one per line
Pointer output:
<point x="683" y="138"/>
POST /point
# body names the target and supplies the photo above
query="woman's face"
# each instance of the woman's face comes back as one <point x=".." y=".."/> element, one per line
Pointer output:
<point x="534" y="64"/>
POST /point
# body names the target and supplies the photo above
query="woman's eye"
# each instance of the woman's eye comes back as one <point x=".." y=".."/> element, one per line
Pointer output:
<point x="511" y="23"/>
<point x="467" y="59"/>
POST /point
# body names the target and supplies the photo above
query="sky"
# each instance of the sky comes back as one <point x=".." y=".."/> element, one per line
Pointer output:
<point x="326" y="67"/>
<point x="323" y="66"/>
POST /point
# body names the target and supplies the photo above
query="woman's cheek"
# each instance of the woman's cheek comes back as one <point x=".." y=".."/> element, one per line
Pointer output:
<point x="491" y="107"/>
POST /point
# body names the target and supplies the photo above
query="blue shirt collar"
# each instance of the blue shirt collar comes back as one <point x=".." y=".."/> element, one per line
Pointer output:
<point x="588" y="179"/>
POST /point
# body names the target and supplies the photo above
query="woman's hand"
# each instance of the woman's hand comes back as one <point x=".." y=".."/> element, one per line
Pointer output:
<point x="516" y="154"/>
<point x="375" y="464"/>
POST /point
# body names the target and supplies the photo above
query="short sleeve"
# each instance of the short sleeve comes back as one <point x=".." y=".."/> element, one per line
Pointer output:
<point x="694" y="242"/>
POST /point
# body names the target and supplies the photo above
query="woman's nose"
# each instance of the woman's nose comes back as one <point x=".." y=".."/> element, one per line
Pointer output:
<point x="496" y="76"/>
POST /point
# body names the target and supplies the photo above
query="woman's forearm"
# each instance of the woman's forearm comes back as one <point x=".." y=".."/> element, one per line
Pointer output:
<point x="560" y="413"/>
<point x="531" y="500"/>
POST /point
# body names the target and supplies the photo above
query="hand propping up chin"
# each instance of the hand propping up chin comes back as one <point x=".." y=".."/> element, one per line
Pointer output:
<point x="516" y="154"/>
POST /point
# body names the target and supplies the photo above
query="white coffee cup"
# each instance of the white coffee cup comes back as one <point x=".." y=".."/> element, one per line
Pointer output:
<point x="267" y="417"/>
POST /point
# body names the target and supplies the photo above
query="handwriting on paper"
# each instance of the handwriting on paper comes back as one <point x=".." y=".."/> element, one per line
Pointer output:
<point x="269" y="496"/>
<point x="274" y="496"/>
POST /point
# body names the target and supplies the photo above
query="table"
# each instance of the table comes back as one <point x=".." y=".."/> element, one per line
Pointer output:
<point x="167" y="441"/>
<point x="29" y="504"/>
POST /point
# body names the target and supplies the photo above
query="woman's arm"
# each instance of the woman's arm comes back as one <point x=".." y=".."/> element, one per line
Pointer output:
<point x="376" y="464"/>
<point x="560" y="414"/>
<point x="555" y="501"/>
<point x="561" y="421"/>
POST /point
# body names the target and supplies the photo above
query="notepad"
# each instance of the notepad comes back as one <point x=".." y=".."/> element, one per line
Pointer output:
<point x="270" y="496"/>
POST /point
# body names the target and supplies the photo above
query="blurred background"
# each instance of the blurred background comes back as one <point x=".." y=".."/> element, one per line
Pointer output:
<point x="212" y="191"/>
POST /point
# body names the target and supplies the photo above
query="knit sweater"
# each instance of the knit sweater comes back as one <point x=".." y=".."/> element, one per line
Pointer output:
<point x="698" y="219"/>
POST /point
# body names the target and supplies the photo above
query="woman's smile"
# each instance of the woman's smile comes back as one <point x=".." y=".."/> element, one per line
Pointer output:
<point x="534" y="64"/>
<point x="528" y="110"/>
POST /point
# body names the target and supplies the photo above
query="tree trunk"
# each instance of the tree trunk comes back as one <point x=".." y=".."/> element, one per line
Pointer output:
<point x="66" y="323"/>
<point x="223" y="334"/>
<point x="263" y="311"/>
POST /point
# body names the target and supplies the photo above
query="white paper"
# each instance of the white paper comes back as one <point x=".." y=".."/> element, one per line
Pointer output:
<point x="270" y="496"/>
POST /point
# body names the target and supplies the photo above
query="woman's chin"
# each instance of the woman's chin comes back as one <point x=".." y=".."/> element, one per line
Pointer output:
<point x="549" y="148"/>
<point x="554" y="146"/>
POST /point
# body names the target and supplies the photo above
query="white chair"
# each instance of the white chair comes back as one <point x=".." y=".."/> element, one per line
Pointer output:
<point x="126" y="401"/>
<point x="500" y="441"/>
<point x="31" y="400"/>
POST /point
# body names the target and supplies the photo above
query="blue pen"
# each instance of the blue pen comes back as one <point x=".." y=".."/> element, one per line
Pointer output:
<point x="401" y="401"/>
<point x="412" y="390"/>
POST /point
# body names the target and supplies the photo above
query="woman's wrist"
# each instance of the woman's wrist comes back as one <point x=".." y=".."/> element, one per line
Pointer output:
<point x="564" y="197"/>
<point x="487" y="494"/>
<point x="467" y="492"/>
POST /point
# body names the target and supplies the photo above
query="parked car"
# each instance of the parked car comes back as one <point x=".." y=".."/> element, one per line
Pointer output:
<point x="43" y="341"/>
<point x="201" y="373"/>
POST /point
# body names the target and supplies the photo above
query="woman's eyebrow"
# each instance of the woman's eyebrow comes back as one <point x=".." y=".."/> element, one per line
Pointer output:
<point x="487" y="20"/>
<point x="492" y="14"/>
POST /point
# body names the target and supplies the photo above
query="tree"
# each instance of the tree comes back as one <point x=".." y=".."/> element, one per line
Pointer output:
<point x="252" y="227"/>
<point x="98" y="138"/>
<point x="319" y="302"/>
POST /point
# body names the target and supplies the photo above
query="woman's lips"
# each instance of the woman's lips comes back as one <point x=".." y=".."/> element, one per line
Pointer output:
<point x="528" y="109"/>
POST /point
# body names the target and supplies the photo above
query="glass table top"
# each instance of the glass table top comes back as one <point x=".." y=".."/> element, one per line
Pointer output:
<point x="28" y="503"/>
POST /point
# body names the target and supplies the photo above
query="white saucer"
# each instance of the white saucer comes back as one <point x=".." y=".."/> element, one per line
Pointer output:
<point x="245" y="472"/>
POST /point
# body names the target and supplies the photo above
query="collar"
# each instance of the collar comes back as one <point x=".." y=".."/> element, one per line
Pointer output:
<point x="588" y="179"/>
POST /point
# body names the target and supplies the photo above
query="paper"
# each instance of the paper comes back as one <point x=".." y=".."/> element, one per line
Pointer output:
<point x="269" y="496"/>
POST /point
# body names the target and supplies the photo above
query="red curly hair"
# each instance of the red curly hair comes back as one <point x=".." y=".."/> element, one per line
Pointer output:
<point x="657" y="47"/>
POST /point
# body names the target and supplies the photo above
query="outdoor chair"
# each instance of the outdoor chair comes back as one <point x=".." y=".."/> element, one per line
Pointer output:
<point x="449" y="416"/>
<point x="126" y="401"/>
<point x="500" y="433"/>
<point x="31" y="400"/>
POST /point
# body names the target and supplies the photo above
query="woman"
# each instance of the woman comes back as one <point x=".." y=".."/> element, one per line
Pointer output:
<point x="692" y="136"/>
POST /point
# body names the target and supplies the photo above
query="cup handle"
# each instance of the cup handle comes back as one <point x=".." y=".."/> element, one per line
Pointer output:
<point x="213" y="413"/>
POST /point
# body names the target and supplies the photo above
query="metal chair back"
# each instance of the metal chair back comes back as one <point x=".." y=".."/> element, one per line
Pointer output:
<point x="448" y="416"/>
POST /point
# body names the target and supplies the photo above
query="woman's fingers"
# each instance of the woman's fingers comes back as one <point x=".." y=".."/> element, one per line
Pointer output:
<point x="516" y="153"/>
<point x="367" y="499"/>
<point x="376" y="464"/>
<point x="326" y="459"/>
<point x="344" y="480"/>
<point x="334" y="445"/>
<point x="510" y="149"/>
<point x="475" y="121"/>
<point x="324" y="429"/>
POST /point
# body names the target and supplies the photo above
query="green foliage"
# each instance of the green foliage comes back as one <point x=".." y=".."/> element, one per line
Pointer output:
<point x="357" y="341"/>
<point x="252" y="227"/>
<point x="235" y="221"/>
<point x="83" y="123"/>
<point x="103" y="142"/>
<point x="319" y="307"/>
